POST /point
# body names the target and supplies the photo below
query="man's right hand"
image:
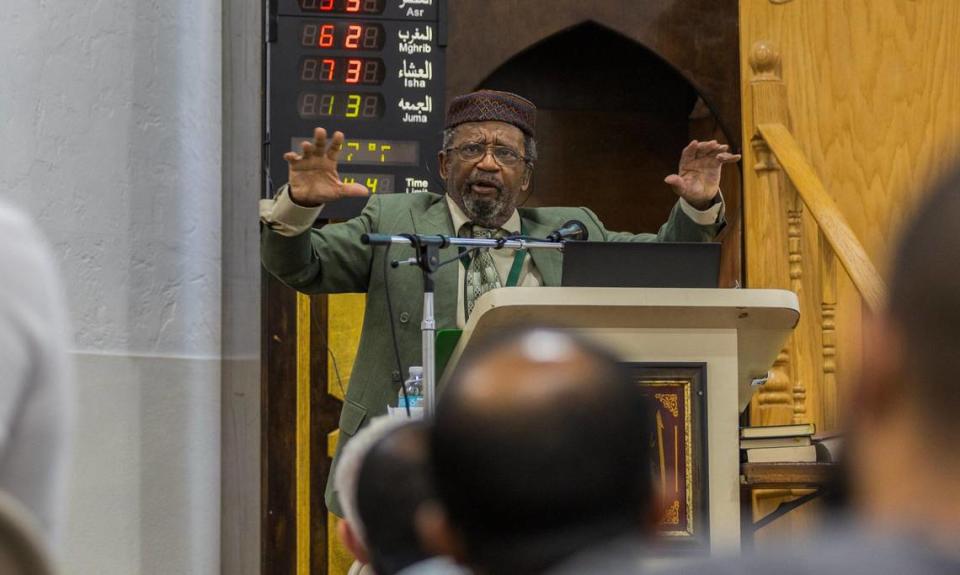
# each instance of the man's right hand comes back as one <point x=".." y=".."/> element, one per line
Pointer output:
<point x="313" y="172"/>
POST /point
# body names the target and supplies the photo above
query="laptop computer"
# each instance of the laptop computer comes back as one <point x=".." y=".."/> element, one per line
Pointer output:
<point x="640" y="264"/>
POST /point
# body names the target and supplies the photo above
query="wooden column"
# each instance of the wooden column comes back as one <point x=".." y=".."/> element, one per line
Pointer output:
<point x="279" y="404"/>
<point x="298" y="415"/>
<point x="775" y="259"/>
<point x="768" y="240"/>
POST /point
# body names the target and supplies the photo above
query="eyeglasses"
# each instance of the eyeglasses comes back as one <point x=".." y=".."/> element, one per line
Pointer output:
<point x="503" y="155"/>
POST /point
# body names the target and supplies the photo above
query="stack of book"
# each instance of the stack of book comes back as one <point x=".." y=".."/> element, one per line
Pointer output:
<point x="778" y="443"/>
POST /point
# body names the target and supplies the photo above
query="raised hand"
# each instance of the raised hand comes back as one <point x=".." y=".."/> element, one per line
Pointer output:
<point x="313" y="173"/>
<point x="698" y="177"/>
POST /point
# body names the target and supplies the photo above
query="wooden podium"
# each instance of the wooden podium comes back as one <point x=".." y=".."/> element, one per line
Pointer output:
<point x="697" y="353"/>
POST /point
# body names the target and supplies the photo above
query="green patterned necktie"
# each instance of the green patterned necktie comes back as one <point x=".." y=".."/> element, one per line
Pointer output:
<point x="481" y="274"/>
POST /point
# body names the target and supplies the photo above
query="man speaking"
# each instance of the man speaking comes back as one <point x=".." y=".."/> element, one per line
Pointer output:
<point x="489" y="151"/>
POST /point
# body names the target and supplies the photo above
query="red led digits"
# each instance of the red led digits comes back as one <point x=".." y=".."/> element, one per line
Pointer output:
<point x="366" y="71"/>
<point x="353" y="71"/>
<point x="342" y="36"/>
<point x="328" y="67"/>
<point x="342" y="6"/>
<point x="352" y="41"/>
<point x="326" y="36"/>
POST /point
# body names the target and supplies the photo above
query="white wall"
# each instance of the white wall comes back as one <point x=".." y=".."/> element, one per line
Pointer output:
<point x="110" y="128"/>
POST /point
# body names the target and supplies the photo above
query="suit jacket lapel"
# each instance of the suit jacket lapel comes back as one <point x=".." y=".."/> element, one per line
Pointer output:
<point x="548" y="262"/>
<point x="436" y="221"/>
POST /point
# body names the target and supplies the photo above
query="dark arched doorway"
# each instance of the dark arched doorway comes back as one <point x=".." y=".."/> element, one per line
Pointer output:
<point x="613" y="117"/>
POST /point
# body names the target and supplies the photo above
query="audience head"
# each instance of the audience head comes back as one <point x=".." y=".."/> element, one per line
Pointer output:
<point x="539" y="451"/>
<point x="346" y="477"/>
<point x="925" y="305"/>
<point x="394" y="482"/>
<point x="23" y="550"/>
<point x="904" y="412"/>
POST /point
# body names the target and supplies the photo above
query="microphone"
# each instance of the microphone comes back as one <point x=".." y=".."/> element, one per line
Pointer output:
<point x="572" y="230"/>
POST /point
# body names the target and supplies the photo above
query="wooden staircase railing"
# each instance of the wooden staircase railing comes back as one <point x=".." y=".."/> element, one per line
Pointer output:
<point x="833" y="227"/>
<point x="786" y="179"/>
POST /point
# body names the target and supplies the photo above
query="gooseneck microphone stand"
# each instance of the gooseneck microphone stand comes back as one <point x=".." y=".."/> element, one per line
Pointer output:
<point x="427" y="258"/>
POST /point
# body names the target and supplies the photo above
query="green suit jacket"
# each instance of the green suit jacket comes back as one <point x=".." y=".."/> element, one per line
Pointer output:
<point x="332" y="260"/>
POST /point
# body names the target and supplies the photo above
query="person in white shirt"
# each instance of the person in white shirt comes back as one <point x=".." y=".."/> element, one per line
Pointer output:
<point x="37" y="397"/>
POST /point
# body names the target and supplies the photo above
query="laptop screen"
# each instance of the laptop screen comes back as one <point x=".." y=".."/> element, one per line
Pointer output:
<point x="641" y="264"/>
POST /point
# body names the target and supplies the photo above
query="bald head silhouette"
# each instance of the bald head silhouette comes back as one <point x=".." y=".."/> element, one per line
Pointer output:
<point x="539" y="450"/>
<point x="902" y="411"/>
<point x="393" y="483"/>
<point x="924" y="304"/>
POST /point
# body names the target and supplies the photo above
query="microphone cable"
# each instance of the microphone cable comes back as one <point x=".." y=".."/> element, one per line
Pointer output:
<point x="393" y="328"/>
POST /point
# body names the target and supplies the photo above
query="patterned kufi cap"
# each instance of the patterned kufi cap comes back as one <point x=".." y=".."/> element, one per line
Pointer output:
<point x="491" y="105"/>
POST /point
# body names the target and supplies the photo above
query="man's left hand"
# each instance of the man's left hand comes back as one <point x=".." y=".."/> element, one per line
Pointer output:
<point x="698" y="178"/>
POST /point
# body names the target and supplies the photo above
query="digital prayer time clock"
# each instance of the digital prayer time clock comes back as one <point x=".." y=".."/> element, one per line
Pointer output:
<point x="373" y="69"/>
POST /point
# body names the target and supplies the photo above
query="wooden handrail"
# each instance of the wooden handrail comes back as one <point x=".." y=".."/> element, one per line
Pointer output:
<point x="832" y="224"/>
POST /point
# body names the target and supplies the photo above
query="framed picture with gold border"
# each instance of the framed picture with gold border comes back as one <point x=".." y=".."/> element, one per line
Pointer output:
<point x="677" y="394"/>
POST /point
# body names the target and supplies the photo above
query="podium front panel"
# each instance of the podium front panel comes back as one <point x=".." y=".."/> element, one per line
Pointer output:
<point x="677" y="398"/>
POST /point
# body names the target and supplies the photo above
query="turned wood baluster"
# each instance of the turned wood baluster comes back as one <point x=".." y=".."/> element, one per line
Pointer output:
<point x="828" y="330"/>
<point x="795" y="248"/>
<point x="775" y="395"/>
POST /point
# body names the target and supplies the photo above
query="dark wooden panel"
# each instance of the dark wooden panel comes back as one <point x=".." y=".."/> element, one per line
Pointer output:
<point x="609" y="128"/>
<point x="613" y="118"/>
<point x="699" y="38"/>
<point x="324" y="416"/>
<point x="608" y="163"/>
<point x="278" y="422"/>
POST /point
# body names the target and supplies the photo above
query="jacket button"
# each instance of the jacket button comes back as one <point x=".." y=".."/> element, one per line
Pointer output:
<point x="396" y="375"/>
<point x="404" y="317"/>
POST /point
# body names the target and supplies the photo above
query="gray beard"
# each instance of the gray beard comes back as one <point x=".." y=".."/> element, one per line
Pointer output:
<point x="489" y="213"/>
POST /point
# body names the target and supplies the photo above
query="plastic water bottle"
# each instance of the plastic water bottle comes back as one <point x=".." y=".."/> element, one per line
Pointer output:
<point x="414" y="387"/>
<point x="413" y="397"/>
